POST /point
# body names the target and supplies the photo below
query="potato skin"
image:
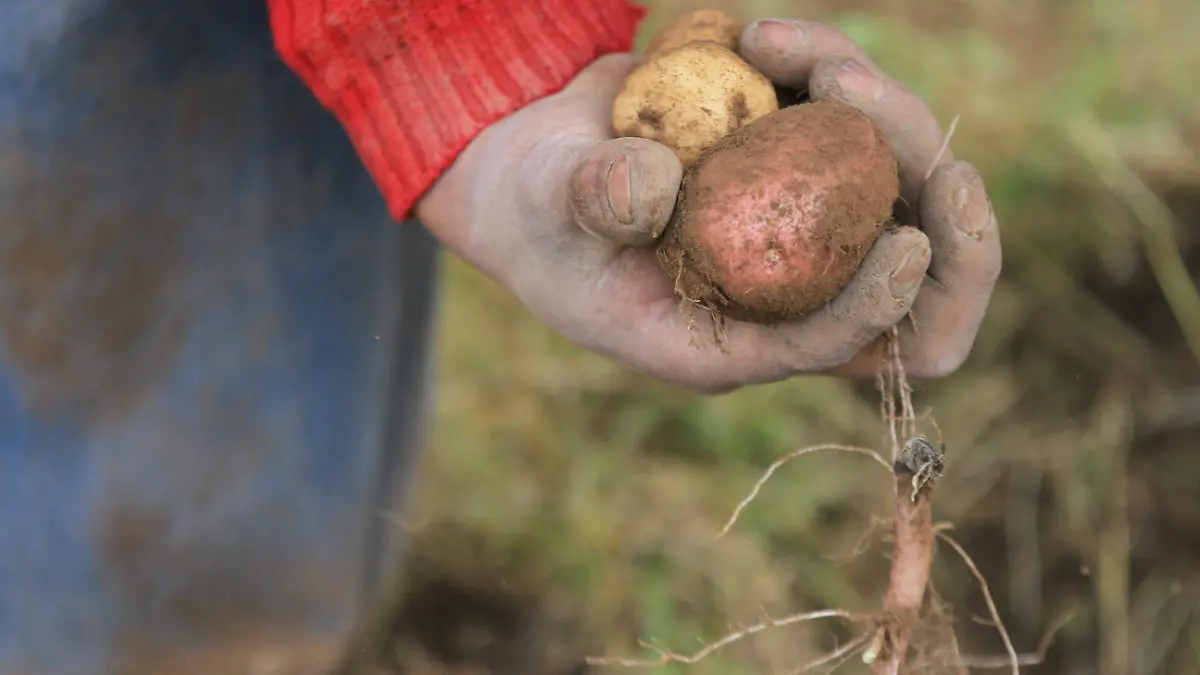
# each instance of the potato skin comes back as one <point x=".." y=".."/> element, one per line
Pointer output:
<point x="691" y="97"/>
<point x="704" y="25"/>
<point x="775" y="219"/>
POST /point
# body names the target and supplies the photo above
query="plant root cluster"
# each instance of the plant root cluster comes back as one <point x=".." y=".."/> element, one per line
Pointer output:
<point x="907" y="634"/>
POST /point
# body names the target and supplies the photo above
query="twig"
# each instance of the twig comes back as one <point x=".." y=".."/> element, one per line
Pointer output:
<point x="667" y="656"/>
<point x="1013" y="659"/>
<point x="785" y="459"/>
<point x="1033" y="659"/>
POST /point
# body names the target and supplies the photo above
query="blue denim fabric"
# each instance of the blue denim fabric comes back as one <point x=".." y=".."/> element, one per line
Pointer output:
<point x="213" y="341"/>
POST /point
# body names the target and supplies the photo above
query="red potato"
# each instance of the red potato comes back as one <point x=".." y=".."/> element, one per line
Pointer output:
<point x="775" y="218"/>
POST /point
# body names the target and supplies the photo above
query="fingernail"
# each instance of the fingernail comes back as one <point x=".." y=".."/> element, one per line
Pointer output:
<point x="910" y="272"/>
<point x="975" y="213"/>
<point x="775" y="35"/>
<point x="976" y="227"/>
<point x="620" y="190"/>
<point x="858" y="83"/>
<point x="962" y="199"/>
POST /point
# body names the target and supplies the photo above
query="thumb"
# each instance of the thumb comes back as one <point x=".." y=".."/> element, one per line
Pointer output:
<point x="623" y="190"/>
<point x="603" y="77"/>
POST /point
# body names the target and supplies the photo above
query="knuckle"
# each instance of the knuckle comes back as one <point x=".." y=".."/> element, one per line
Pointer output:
<point x="850" y="76"/>
<point x="582" y="181"/>
<point x="939" y="360"/>
<point x="972" y="289"/>
<point x="857" y="321"/>
<point x="824" y="81"/>
<point x="832" y="36"/>
<point x="802" y="355"/>
<point x="964" y="171"/>
<point x="877" y="312"/>
<point x="871" y="327"/>
<point x="950" y="177"/>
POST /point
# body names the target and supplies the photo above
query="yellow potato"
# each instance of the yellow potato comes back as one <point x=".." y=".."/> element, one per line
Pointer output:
<point x="692" y="97"/>
<point x="705" y="25"/>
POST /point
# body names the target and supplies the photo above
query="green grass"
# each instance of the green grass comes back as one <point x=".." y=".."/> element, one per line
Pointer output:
<point x="597" y="492"/>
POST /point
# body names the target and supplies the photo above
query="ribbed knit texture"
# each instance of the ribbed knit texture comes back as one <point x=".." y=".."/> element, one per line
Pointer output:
<point x="413" y="82"/>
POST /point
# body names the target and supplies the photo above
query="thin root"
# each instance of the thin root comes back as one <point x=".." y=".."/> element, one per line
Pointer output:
<point x="1013" y="659"/>
<point x="864" y="542"/>
<point x="878" y="640"/>
<point x="666" y="656"/>
<point x="783" y="460"/>
<point x="840" y="655"/>
<point x="1033" y="659"/>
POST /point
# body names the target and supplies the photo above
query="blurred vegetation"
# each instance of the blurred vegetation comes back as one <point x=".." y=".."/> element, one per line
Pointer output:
<point x="567" y="508"/>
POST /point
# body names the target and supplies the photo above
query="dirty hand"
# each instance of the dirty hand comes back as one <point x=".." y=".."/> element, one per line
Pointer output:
<point x="551" y="206"/>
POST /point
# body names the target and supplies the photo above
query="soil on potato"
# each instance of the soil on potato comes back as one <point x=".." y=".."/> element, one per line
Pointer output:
<point x="774" y="220"/>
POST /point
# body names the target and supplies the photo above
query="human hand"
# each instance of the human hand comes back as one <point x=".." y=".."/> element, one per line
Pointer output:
<point x="552" y="207"/>
<point x="947" y="197"/>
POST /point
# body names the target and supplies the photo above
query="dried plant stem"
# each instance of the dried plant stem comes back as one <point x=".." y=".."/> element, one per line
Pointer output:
<point x="666" y="656"/>
<point x="944" y="147"/>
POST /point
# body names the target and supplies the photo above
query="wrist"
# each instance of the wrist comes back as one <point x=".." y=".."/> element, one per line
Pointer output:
<point x="413" y="83"/>
<point x="445" y="208"/>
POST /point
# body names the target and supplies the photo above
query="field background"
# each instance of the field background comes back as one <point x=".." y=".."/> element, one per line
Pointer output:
<point x="567" y="508"/>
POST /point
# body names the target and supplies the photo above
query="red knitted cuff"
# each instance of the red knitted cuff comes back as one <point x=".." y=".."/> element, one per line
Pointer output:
<point x="413" y="82"/>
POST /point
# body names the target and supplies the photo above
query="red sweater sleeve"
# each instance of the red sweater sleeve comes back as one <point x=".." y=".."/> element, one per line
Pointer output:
<point x="414" y="81"/>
